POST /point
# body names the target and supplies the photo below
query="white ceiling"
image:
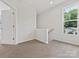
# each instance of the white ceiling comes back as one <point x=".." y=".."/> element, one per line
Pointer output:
<point x="39" y="5"/>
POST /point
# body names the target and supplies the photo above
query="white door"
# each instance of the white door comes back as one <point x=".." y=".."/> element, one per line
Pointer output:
<point x="7" y="17"/>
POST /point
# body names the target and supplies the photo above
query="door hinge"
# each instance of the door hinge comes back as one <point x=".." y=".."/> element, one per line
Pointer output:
<point x="13" y="13"/>
<point x="13" y="26"/>
<point x="13" y="38"/>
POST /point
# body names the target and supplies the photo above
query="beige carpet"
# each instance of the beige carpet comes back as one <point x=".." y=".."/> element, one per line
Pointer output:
<point x="35" y="49"/>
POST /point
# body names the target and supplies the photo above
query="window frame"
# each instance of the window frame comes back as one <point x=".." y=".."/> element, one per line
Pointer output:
<point x="71" y="20"/>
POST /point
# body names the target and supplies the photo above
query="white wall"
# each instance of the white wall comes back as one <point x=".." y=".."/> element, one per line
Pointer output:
<point x="53" y="19"/>
<point x="42" y="35"/>
<point x="25" y="24"/>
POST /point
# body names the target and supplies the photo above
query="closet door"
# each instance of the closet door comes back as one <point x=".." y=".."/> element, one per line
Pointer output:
<point x="8" y="31"/>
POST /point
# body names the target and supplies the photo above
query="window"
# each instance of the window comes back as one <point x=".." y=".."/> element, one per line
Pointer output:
<point x="71" y="20"/>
